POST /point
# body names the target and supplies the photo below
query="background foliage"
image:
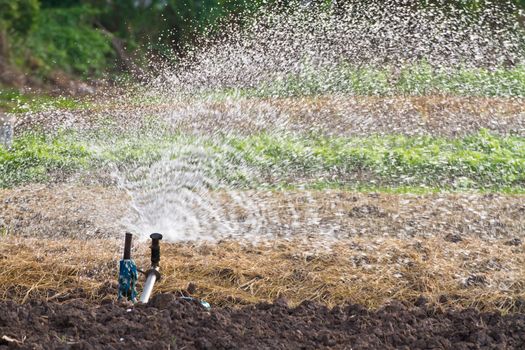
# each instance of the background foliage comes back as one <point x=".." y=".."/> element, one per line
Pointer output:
<point x="83" y="37"/>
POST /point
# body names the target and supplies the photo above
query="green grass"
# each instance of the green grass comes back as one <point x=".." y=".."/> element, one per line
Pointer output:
<point x="476" y="162"/>
<point x="40" y="158"/>
<point x="14" y="101"/>
<point x="481" y="162"/>
<point x="415" y="80"/>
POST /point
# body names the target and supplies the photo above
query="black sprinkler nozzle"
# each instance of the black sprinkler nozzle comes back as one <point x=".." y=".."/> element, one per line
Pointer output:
<point x="155" y="248"/>
<point x="127" y="246"/>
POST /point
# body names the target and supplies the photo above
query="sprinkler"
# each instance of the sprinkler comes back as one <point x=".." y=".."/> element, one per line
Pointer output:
<point x="153" y="274"/>
<point x="128" y="273"/>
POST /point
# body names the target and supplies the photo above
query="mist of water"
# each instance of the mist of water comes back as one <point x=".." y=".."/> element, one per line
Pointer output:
<point x="353" y="69"/>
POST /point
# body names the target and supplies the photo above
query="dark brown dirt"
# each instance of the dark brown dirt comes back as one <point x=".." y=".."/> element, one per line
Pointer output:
<point x="171" y="323"/>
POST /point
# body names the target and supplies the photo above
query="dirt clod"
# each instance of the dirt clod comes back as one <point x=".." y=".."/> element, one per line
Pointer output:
<point x="453" y="238"/>
<point x="514" y="242"/>
<point x="475" y="280"/>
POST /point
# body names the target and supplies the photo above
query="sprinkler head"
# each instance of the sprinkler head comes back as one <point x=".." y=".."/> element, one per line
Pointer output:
<point x="155" y="248"/>
<point x="155" y="236"/>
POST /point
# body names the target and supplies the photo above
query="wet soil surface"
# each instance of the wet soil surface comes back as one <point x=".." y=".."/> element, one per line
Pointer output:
<point x="66" y="210"/>
<point x="331" y="115"/>
<point x="171" y="323"/>
<point x="62" y="210"/>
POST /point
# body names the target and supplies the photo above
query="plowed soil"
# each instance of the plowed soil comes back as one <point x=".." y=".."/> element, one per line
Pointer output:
<point x="66" y="210"/>
<point x="170" y="323"/>
<point x="344" y="115"/>
<point x="457" y="251"/>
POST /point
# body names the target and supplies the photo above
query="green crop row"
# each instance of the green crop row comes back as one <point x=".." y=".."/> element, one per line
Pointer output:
<point x="475" y="162"/>
<point x="14" y="101"/>
<point x="419" y="79"/>
<point x="39" y="158"/>
<point x="482" y="162"/>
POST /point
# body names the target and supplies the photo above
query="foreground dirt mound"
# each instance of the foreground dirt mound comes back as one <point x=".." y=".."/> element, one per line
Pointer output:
<point x="173" y="323"/>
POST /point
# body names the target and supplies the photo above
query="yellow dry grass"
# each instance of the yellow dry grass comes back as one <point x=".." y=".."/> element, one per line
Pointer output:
<point x="487" y="275"/>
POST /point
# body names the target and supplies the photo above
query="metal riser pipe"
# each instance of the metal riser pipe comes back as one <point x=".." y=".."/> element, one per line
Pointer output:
<point x="148" y="288"/>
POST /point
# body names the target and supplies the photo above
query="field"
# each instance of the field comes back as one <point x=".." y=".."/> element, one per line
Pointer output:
<point x="325" y="174"/>
<point x="372" y="221"/>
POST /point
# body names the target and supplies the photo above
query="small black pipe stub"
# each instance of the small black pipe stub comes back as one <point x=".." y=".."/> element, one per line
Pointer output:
<point x="127" y="246"/>
<point x="155" y="248"/>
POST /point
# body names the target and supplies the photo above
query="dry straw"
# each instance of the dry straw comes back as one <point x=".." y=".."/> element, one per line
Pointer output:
<point x="487" y="275"/>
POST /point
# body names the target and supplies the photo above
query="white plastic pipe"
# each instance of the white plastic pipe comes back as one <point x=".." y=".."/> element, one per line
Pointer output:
<point x="148" y="287"/>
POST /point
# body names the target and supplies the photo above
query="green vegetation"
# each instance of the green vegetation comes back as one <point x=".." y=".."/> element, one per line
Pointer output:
<point x="39" y="158"/>
<point x="66" y="39"/>
<point x="183" y="21"/>
<point x="86" y="38"/>
<point x="18" y="15"/>
<point x="482" y="162"/>
<point x="13" y="101"/>
<point x="415" y="80"/>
